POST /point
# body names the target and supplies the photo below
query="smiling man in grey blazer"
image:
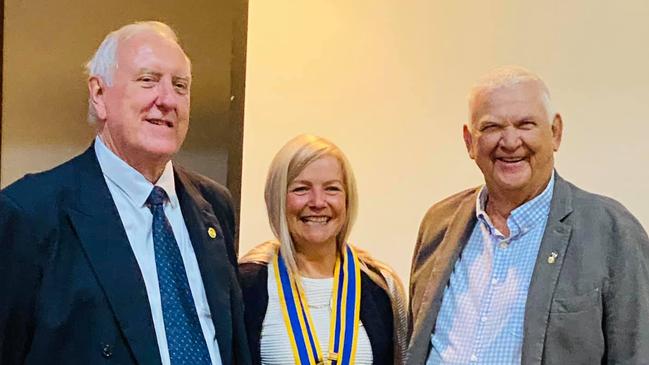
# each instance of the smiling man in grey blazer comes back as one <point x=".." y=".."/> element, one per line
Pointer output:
<point x="527" y="269"/>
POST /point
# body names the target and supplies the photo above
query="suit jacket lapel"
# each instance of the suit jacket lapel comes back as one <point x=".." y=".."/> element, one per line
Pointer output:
<point x="212" y="258"/>
<point x="95" y="219"/>
<point x="546" y="273"/>
<point x="441" y="266"/>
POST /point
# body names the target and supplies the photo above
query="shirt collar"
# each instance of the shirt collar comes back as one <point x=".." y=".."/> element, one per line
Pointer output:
<point x="524" y="217"/>
<point x="130" y="181"/>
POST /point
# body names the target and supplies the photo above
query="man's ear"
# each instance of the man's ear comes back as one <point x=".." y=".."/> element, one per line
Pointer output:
<point x="557" y="131"/>
<point x="468" y="141"/>
<point x="96" y="92"/>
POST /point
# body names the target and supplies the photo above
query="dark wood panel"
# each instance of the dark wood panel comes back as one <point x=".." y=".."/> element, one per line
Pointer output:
<point x="2" y="18"/>
<point x="238" y="79"/>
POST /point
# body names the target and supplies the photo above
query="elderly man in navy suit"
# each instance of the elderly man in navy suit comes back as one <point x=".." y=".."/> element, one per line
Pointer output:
<point x="118" y="254"/>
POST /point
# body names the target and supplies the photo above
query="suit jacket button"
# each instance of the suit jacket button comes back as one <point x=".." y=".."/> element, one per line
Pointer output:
<point x="107" y="351"/>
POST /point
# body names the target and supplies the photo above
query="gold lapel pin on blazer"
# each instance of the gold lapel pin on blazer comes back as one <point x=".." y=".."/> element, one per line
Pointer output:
<point x="211" y="232"/>
<point x="553" y="257"/>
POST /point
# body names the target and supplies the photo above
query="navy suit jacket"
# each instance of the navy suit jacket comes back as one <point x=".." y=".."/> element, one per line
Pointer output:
<point x="71" y="291"/>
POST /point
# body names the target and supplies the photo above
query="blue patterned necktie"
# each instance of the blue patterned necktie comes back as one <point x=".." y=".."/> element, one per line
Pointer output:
<point x="185" y="338"/>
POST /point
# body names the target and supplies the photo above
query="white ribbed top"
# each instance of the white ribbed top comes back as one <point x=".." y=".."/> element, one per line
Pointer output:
<point x="275" y="344"/>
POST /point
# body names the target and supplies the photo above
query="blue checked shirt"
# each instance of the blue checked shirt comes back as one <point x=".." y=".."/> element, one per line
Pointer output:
<point x="481" y="317"/>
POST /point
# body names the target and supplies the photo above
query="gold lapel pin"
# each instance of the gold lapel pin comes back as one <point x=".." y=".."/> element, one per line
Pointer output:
<point x="553" y="257"/>
<point x="211" y="232"/>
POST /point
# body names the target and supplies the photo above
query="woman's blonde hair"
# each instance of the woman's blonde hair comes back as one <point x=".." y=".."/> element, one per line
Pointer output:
<point x="286" y="166"/>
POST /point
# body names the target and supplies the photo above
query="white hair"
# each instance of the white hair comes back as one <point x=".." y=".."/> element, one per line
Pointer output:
<point x="104" y="62"/>
<point x="507" y="76"/>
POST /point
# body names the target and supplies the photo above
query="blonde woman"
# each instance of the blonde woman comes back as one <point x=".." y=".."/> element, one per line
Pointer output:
<point x="310" y="297"/>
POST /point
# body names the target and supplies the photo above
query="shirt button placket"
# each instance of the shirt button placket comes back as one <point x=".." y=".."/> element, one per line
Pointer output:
<point x="482" y="323"/>
<point x="486" y="307"/>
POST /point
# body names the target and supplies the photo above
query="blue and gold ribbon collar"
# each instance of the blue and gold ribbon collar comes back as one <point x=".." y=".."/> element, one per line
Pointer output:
<point x="345" y="313"/>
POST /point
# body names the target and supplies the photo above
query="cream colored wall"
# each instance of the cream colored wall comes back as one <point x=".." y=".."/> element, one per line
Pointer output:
<point x="386" y="80"/>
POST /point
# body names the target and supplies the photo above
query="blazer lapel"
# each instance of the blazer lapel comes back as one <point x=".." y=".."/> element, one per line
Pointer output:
<point x="441" y="267"/>
<point x="101" y="233"/>
<point x="546" y="273"/>
<point x="209" y="246"/>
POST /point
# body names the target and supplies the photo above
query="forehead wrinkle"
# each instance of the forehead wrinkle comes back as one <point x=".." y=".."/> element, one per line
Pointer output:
<point x="128" y="50"/>
<point x="308" y="181"/>
<point x="505" y="102"/>
<point x="301" y="181"/>
<point x="486" y="118"/>
<point x="147" y="70"/>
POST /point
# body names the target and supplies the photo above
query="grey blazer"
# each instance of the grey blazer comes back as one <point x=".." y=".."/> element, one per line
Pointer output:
<point x="588" y="306"/>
